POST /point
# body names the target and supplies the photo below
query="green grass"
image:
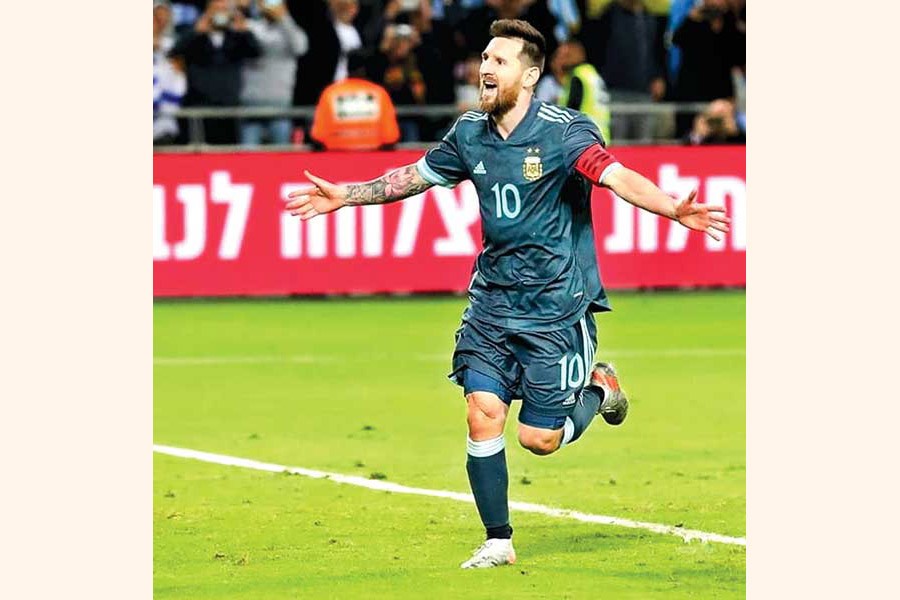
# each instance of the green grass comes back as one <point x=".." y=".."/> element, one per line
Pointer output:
<point x="366" y="393"/>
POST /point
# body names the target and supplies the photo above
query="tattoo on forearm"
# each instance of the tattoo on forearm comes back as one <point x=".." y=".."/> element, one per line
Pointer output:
<point x="398" y="184"/>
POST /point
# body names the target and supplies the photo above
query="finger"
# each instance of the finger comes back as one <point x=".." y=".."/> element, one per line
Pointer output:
<point x="306" y="189"/>
<point x="309" y="215"/>
<point x="295" y="204"/>
<point x="710" y="233"/>
<point x="716" y="209"/>
<point x="320" y="183"/>
<point x="692" y="196"/>
<point x="302" y="210"/>
<point x="720" y="227"/>
<point x="720" y="218"/>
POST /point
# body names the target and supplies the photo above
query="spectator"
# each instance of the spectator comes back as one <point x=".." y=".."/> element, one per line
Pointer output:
<point x="343" y="12"/>
<point x="168" y="82"/>
<point x="468" y="91"/>
<point x="473" y="33"/>
<point x="582" y="86"/>
<point x="163" y="27"/>
<point x="214" y="53"/>
<point x="626" y="44"/>
<point x="269" y="79"/>
<point x="395" y="68"/>
<point x="568" y="19"/>
<point x="355" y="114"/>
<point x="316" y="68"/>
<point x="717" y="125"/>
<point x="711" y="47"/>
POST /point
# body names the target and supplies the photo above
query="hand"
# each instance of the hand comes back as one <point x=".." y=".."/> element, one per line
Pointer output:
<point x="238" y="21"/>
<point x="658" y="89"/>
<point x="322" y="198"/>
<point x="276" y="13"/>
<point x="203" y="24"/>
<point x="701" y="217"/>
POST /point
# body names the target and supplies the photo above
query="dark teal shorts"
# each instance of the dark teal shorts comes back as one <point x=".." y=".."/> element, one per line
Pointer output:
<point x="546" y="370"/>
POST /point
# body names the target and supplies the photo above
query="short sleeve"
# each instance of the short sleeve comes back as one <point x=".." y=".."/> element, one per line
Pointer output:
<point x="442" y="165"/>
<point x="579" y="135"/>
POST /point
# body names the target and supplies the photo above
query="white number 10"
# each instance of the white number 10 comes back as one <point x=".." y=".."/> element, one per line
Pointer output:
<point x="503" y="207"/>
<point x="571" y="372"/>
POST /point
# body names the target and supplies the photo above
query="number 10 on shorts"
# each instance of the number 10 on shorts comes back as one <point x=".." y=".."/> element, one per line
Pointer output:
<point x="571" y="372"/>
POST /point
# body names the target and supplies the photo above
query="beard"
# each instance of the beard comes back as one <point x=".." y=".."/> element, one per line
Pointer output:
<point x="501" y="101"/>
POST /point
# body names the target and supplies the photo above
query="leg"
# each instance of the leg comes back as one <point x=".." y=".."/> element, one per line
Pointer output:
<point x="556" y="407"/>
<point x="486" y="452"/>
<point x="251" y="133"/>
<point x="280" y="131"/>
<point x="484" y="366"/>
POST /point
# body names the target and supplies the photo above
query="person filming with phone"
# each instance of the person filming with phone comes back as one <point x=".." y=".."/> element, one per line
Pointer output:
<point x="269" y="80"/>
<point x="213" y="54"/>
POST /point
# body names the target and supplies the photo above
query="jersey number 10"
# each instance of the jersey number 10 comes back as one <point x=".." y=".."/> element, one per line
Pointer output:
<point x="504" y="196"/>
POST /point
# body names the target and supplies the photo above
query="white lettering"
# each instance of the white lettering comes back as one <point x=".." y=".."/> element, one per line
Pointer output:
<point x="622" y="237"/>
<point x="717" y="189"/>
<point x="317" y="236"/>
<point x="671" y="183"/>
<point x="161" y="248"/>
<point x="345" y="232"/>
<point x="457" y="216"/>
<point x="408" y="228"/>
<point x="291" y="235"/>
<point x="373" y="228"/>
<point x="238" y="198"/>
<point x="193" y="197"/>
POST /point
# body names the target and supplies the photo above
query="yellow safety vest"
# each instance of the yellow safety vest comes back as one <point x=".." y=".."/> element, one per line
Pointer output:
<point x="594" y="99"/>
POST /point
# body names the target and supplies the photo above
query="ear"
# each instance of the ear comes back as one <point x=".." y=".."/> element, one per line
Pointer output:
<point x="531" y="77"/>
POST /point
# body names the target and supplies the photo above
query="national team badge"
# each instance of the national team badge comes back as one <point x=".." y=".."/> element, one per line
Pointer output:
<point x="532" y="168"/>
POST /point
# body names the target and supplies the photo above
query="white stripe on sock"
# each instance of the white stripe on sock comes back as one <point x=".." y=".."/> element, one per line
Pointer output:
<point x="485" y="448"/>
<point x="568" y="431"/>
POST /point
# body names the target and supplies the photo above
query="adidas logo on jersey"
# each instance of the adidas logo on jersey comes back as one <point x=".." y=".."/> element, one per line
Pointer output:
<point x="479" y="168"/>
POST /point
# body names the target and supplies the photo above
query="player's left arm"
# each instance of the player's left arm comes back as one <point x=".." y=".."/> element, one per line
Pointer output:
<point x="599" y="167"/>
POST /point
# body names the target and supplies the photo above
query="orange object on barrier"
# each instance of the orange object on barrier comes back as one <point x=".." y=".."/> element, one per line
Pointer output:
<point x="355" y="114"/>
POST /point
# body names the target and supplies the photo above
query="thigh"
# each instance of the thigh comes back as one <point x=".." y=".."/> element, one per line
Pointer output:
<point x="555" y="367"/>
<point x="484" y="350"/>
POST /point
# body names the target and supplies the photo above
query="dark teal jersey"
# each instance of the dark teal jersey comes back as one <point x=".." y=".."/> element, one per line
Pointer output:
<point x="538" y="270"/>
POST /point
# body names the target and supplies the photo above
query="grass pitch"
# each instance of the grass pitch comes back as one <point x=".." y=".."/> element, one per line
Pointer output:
<point x="359" y="387"/>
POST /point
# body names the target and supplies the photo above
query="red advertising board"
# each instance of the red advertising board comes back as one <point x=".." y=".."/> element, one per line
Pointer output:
<point x="219" y="227"/>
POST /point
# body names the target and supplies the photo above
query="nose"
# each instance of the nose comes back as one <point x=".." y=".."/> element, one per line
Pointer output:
<point x="485" y="68"/>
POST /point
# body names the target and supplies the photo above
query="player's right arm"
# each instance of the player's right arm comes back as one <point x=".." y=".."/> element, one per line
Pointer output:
<point x="325" y="197"/>
<point x="442" y="166"/>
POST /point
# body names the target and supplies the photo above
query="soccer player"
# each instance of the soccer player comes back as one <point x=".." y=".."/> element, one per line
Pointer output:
<point x="528" y="332"/>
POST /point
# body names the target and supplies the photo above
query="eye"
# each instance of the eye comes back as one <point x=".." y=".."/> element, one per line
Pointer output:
<point x="500" y="61"/>
<point x="484" y="56"/>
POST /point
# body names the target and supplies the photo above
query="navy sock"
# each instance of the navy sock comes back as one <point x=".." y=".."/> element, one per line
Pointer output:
<point x="489" y="480"/>
<point x="584" y="412"/>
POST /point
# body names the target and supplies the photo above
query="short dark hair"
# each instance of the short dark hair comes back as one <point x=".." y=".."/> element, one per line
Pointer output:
<point x="533" y="45"/>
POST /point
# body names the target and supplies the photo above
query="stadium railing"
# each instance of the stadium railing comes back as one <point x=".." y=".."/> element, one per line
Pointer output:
<point x="194" y="117"/>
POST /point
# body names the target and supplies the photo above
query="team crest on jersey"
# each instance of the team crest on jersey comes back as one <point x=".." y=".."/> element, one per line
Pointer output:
<point x="532" y="168"/>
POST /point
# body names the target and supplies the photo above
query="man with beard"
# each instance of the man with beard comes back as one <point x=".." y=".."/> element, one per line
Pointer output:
<point x="528" y="332"/>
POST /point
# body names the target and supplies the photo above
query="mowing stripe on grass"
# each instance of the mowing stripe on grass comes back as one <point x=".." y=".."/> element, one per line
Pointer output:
<point x="181" y="361"/>
<point x="386" y="486"/>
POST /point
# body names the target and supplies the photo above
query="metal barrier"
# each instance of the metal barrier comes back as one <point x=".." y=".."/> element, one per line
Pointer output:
<point x="195" y="116"/>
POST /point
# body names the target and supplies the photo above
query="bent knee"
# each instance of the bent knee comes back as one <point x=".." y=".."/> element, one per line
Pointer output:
<point x="539" y="443"/>
<point x="485" y="416"/>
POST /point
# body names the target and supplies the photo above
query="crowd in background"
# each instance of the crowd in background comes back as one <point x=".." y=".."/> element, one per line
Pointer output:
<point x="282" y="53"/>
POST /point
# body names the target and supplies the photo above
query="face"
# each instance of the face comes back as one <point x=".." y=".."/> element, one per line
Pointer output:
<point x="503" y="75"/>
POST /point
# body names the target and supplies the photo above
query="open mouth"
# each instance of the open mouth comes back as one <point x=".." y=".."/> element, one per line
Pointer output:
<point x="489" y="85"/>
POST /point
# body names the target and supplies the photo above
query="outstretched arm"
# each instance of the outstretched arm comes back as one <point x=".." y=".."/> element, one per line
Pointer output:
<point x="601" y="168"/>
<point x="325" y="197"/>
<point x="643" y="193"/>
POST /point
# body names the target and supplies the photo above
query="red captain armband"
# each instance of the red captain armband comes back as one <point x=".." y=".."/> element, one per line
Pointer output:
<point x="595" y="162"/>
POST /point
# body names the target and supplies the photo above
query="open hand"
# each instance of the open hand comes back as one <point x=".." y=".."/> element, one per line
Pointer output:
<point x="321" y="198"/>
<point x="702" y="217"/>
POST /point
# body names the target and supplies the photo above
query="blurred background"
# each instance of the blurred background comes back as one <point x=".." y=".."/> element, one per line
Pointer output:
<point x="251" y="73"/>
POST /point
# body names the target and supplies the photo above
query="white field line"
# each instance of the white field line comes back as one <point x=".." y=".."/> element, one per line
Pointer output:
<point x="180" y="361"/>
<point x="386" y="486"/>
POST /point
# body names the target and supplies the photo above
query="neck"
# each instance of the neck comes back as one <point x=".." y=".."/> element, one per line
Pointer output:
<point x="510" y="120"/>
